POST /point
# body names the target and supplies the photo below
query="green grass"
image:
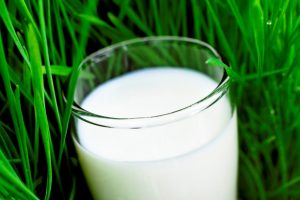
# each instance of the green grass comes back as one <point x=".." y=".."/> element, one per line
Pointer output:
<point x="42" y="43"/>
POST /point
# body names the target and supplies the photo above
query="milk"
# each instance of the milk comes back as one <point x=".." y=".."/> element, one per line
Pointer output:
<point x="190" y="157"/>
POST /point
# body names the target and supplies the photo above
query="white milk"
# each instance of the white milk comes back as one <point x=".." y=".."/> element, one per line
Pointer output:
<point x="194" y="158"/>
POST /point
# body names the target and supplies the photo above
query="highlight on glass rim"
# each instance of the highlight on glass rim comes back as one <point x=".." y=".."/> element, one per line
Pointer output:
<point x="150" y="100"/>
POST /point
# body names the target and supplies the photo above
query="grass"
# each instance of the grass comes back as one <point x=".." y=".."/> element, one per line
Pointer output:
<point x="42" y="43"/>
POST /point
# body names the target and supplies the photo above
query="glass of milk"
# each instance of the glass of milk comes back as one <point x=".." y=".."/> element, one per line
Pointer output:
<point x="154" y="121"/>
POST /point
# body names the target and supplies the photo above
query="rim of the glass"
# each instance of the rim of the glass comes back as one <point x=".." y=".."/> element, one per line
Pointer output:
<point x="202" y="147"/>
<point x="222" y="86"/>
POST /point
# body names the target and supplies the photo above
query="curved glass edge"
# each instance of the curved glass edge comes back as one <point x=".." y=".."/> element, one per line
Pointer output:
<point x="155" y="120"/>
<point x="232" y="121"/>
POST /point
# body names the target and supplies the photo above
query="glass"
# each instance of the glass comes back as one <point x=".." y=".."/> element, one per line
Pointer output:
<point x="188" y="152"/>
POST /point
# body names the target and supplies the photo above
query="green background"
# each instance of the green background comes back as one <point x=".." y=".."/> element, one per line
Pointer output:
<point x="42" y="43"/>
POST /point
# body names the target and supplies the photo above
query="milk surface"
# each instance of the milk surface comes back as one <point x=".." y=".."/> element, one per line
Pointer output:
<point x="191" y="158"/>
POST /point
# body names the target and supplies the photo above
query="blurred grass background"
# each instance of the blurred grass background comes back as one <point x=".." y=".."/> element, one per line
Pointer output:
<point x="43" y="41"/>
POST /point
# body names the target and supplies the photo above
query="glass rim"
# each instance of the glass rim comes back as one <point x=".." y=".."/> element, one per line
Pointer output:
<point x="154" y="120"/>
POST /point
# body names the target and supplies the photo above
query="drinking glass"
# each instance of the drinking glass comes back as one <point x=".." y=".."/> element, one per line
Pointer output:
<point x="188" y="153"/>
